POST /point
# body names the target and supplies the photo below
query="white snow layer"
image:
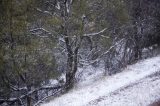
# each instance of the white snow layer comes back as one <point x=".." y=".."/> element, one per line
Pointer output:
<point x="132" y="87"/>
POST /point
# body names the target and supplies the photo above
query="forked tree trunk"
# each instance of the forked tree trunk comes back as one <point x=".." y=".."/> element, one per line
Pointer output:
<point x="71" y="53"/>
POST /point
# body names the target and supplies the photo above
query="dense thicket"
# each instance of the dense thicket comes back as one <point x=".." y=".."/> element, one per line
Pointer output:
<point x="41" y="40"/>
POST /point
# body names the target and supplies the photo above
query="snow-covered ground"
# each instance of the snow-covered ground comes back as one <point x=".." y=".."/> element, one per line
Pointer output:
<point x="141" y="93"/>
<point x="137" y="85"/>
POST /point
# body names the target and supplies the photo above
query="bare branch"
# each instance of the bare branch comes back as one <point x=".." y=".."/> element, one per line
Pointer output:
<point x="96" y="33"/>
<point x="12" y="100"/>
<point x="85" y="62"/>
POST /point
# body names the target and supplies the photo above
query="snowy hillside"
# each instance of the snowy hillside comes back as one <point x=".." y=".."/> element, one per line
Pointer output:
<point x="137" y="85"/>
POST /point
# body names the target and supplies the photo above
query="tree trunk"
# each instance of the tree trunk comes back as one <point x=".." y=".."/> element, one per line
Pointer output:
<point x="29" y="101"/>
<point x="28" y="97"/>
<point x="72" y="65"/>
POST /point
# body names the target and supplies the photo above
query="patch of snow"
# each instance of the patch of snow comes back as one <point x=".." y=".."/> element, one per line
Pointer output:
<point x="53" y="82"/>
<point x="143" y="93"/>
<point x="83" y="95"/>
<point x="88" y="74"/>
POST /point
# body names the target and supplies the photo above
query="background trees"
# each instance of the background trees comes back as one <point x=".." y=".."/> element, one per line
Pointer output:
<point x="42" y="40"/>
<point x="27" y="61"/>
